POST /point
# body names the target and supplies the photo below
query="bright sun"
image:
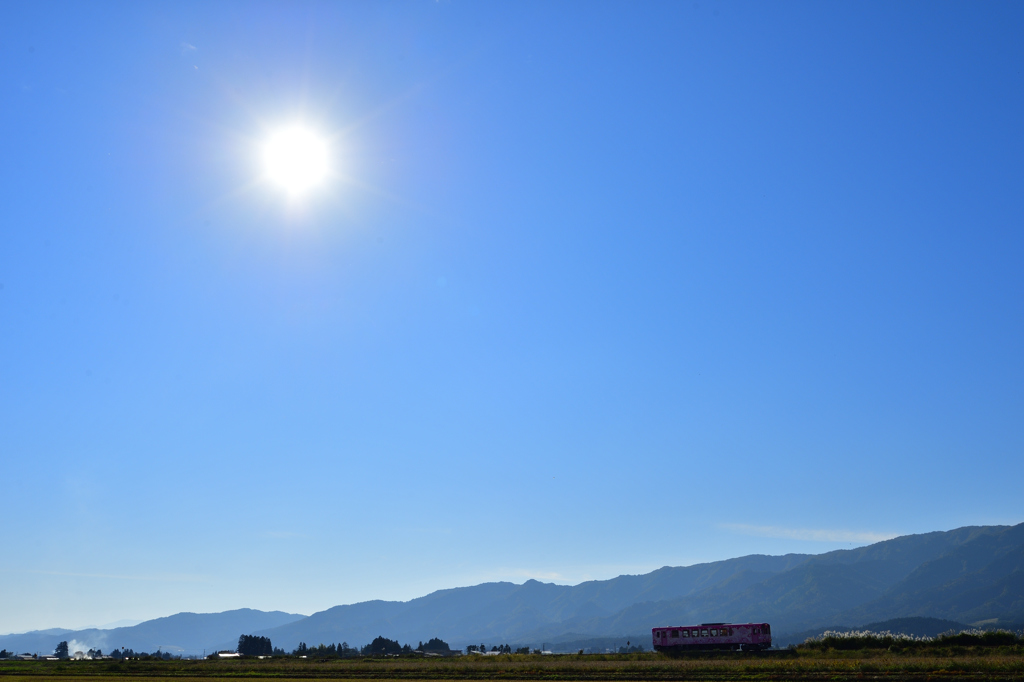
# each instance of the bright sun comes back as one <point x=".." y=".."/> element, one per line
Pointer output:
<point x="296" y="159"/>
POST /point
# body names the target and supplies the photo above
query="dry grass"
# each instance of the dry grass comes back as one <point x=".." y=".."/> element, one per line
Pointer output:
<point x="596" y="668"/>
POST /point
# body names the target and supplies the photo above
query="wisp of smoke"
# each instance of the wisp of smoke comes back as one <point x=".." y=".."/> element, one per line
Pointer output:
<point x="75" y="645"/>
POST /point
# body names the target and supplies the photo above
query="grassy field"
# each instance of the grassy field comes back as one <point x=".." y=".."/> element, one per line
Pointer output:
<point x="852" y="665"/>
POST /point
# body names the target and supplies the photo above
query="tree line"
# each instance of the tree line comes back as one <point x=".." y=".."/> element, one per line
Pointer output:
<point x="122" y="654"/>
<point x="251" y="645"/>
<point x="62" y="652"/>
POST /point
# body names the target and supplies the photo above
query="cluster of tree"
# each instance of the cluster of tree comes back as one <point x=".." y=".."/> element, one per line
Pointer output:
<point x="501" y="649"/>
<point x="122" y="654"/>
<point x="382" y="646"/>
<point x="435" y="644"/>
<point x="342" y="650"/>
<point x="14" y="654"/>
<point x="251" y="645"/>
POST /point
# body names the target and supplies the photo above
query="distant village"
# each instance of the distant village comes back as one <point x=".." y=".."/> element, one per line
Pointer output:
<point x="252" y="646"/>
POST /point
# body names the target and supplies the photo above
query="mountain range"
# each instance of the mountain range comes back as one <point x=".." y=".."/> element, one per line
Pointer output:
<point x="971" y="575"/>
<point x="180" y="634"/>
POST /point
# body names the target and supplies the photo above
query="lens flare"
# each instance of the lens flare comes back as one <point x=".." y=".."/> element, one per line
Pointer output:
<point x="296" y="159"/>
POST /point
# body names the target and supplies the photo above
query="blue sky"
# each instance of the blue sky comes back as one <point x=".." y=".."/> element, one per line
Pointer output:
<point x="594" y="288"/>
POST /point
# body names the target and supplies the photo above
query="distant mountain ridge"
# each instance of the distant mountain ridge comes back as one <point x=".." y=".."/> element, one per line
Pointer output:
<point x="967" y="575"/>
<point x="963" y="575"/>
<point x="508" y="612"/>
<point x="182" y="633"/>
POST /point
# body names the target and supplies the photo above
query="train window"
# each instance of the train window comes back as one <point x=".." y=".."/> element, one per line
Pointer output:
<point x="686" y="633"/>
<point x="757" y="631"/>
<point x="714" y="632"/>
<point x="696" y="633"/>
<point x="767" y="629"/>
<point x="704" y="632"/>
<point x="675" y="633"/>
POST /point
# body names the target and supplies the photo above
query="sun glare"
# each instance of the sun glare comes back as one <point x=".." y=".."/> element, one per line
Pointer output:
<point x="296" y="159"/>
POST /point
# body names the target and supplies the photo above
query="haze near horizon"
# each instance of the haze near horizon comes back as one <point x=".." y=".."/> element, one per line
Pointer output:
<point x="307" y="304"/>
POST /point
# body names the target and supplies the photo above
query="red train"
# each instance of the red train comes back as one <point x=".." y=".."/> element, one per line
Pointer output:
<point x="730" y="636"/>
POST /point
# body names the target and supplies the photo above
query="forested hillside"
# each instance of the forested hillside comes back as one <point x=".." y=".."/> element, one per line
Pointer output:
<point x="965" y="575"/>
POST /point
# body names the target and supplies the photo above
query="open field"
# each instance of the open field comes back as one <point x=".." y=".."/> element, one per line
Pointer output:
<point x="825" y="666"/>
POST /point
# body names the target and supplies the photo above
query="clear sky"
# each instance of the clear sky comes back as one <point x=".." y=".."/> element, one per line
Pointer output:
<point x="590" y="288"/>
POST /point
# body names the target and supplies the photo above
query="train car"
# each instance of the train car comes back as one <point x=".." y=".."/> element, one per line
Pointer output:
<point x="728" y="636"/>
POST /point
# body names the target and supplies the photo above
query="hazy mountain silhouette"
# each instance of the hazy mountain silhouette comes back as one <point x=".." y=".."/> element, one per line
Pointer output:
<point x="967" y="575"/>
<point x="182" y="633"/>
<point x="508" y="612"/>
<point x="963" y="575"/>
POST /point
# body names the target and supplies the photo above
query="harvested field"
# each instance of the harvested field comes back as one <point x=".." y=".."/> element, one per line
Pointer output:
<point x="968" y="665"/>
